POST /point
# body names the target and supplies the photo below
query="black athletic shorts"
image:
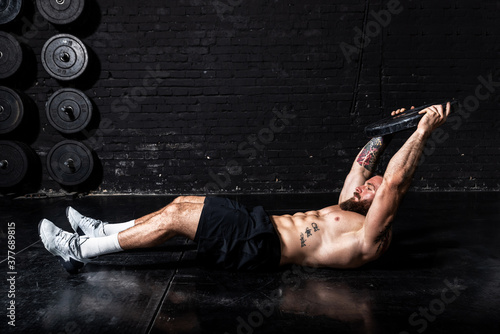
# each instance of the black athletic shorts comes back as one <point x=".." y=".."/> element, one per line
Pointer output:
<point x="233" y="238"/>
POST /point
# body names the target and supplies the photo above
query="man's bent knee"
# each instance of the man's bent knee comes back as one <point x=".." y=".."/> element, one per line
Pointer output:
<point x="175" y="212"/>
<point x="181" y="218"/>
<point x="171" y="210"/>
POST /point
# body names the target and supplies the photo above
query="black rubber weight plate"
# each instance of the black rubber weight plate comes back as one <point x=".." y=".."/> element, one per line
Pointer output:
<point x="11" y="55"/>
<point x="64" y="57"/>
<point x="60" y="11"/>
<point x="13" y="163"/>
<point x="11" y="110"/>
<point x="9" y="9"/>
<point x="400" y="122"/>
<point x="69" y="110"/>
<point x="70" y="163"/>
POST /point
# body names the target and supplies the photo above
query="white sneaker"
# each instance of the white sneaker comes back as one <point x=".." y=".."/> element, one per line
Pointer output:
<point x="63" y="245"/>
<point x="85" y="225"/>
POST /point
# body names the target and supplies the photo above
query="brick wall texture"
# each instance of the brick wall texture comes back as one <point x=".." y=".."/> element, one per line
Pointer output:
<point x="244" y="96"/>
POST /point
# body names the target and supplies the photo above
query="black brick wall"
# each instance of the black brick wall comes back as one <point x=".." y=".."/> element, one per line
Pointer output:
<point x="190" y="95"/>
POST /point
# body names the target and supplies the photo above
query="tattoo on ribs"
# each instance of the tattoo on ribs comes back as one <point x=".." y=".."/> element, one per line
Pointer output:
<point x="369" y="154"/>
<point x="308" y="234"/>
<point x="383" y="237"/>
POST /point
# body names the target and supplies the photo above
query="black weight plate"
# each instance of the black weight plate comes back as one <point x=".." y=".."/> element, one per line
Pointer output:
<point x="13" y="163"/>
<point x="69" y="110"/>
<point x="11" y="55"/>
<point x="60" y="11"/>
<point x="70" y="163"/>
<point x="11" y="110"/>
<point x="9" y="9"/>
<point x="400" y="122"/>
<point x="64" y="57"/>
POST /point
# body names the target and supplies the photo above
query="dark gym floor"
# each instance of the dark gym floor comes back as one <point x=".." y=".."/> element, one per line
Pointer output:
<point x="441" y="275"/>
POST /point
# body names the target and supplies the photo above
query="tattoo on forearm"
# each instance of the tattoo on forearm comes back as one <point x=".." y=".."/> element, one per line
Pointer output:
<point x="309" y="233"/>
<point x="370" y="153"/>
<point x="383" y="237"/>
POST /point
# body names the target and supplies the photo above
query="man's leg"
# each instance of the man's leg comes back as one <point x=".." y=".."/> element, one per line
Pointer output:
<point x="178" y="218"/>
<point x="97" y="228"/>
<point x="181" y="217"/>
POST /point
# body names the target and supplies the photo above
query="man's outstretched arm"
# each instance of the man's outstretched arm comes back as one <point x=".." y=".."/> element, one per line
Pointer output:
<point x="398" y="177"/>
<point x="365" y="163"/>
<point x="363" y="166"/>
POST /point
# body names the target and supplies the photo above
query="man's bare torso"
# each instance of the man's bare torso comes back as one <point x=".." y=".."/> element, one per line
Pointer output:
<point x="330" y="237"/>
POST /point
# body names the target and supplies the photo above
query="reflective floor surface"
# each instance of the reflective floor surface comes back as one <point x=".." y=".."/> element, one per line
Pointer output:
<point x="440" y="275"/>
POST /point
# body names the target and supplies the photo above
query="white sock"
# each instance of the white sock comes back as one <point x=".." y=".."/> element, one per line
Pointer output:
<point x="110" y="229"/>
<point x="92" y="247"/>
